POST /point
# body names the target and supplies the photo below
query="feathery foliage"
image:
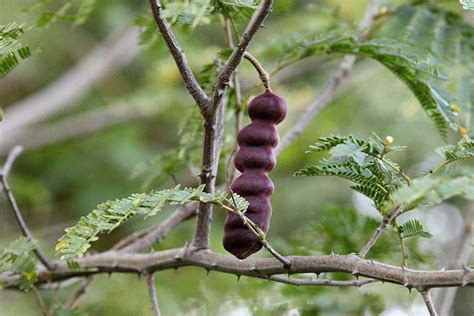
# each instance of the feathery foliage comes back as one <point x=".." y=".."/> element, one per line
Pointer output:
<point x="432" y="190"/>
<point x="360" y="161"/>
<point x="12" y="52"/>
<point x="412" y="228"/>
<point x="423" y="46"/>
<point x="365" y="163"/>
<point x="111" y="214"/>
<point x="16" y="258"/>
<point x="76" y="11"/>
<point x="464" y="149"/>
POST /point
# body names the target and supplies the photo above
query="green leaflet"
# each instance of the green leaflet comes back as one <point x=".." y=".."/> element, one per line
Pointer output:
<point x="432" y="190"/>
<point x="12" y="52"/>
<point x="111" y="214"/>
<point x="76" y="11"/>
<point x="412" y="228"/>
<point x="17" y="258"/>
<point x="364" y="162"/>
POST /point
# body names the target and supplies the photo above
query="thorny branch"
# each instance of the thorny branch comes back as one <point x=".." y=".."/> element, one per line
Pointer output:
<point x="78" y="293"/>
<point x="322" y="282"/>
<point x="429" y="303"/>
<point x="237" y="54"/>
<point x="152" y="292"/>
<point x="14" y="153"/>
<point x="179" y="57"/>
<point x="174" y="258"/>
<point x="378" y="232"/>
<point x="445" y="299"/>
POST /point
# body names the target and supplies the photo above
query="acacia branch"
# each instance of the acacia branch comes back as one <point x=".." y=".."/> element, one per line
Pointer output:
<point x="445" y="298"/>
<point x="80" y="124"/>
<point x="332" y="87"/>
<point x="181" y="257"/>
<point x="237" y="54"/>
<point x="429" y="303"/>
<point x="81" y="290"/>
<point x="212" y="145"/>
<point x="378" y="232"/>
<point x="116" y="51"/>
<point x="145" y="238"/>
<point x="318" y="282"/>
<point x="152" y="292"/>
<point x="14" y="153"/>
<point x="179" y="57"/>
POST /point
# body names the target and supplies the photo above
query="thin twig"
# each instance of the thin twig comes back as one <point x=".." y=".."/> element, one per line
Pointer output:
<point x="143" y="239"/>
<point x="78" y="293"/>
<point x="323" y="282"/>
<point x="237" y="54"/>
<point x="258" y="232"/>
<point x="80" y="124"/>
<point x="179" y="57"/>
<point x="429" y="302"/>
<point x="378" y="232"/>
<point x="152" y="291"/>
<point x="333" y="86"/>
<point x="264" y="76"/>
<point x="114" y="52"/>
<point x="14" y="153"/>
<point x="402" y="244"/>
<point x="445" y="299"/>
<point x="228" y="26"/>
<point x="40" y="301"/>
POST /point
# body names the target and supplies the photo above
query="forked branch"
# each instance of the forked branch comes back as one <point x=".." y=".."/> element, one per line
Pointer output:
<point x="14" y="153"/>
<point x="179" y="57"/>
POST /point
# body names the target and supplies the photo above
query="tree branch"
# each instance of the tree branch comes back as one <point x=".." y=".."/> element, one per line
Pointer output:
<point x="378" y="232"/>
<point x="445" y="298"/>
<point x="237" y="54"/>
<point x="14" y="153"/>
<point x="117" y="50"/>
<point x="212" y="144"/>
<point x="152" y="291"/>
<point x="81" y="290"/>
<point x="79" y="124"/>
<point x="321" y="282"/>
<point x="429" y="303"/>
<point x="179" y="57"/>
<point x="181" y="257"/>
<point x="40" y="301"/>
<point x="333" y="86"/>
<point x="143" y="239"/>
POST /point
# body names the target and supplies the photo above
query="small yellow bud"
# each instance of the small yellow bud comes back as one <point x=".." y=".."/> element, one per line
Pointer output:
<point x="388" y="140"/>
<point x="383" y="10"/>
<point x="455" y="108"/>
<point x="463" y="131"/>
<point x="28" y="275"/>
<point x="60" y="245"/>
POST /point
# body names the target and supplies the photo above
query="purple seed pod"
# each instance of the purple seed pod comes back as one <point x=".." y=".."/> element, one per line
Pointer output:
<point x="255" y="158"/>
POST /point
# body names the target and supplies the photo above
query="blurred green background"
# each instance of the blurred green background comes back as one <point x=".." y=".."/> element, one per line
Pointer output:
<point x="58" y="182"/>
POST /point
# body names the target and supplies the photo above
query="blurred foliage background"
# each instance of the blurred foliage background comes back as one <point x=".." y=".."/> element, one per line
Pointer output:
<point x="56" y="183"/>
